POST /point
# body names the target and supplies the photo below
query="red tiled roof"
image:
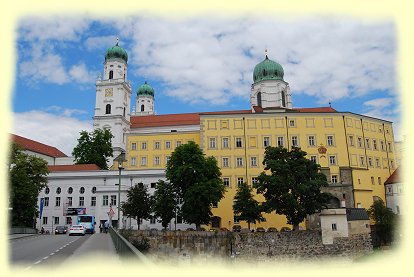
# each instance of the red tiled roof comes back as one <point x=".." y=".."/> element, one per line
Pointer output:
<point x="34" y="146"/>
<point x="194" y="118"/>
<point x="73" y="167"/>
<point x="394" y="178"/>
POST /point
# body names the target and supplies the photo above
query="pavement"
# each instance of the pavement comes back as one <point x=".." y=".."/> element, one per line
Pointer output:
<point x="18" y="236"/>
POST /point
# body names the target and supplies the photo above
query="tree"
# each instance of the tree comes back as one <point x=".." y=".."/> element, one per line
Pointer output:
<point x="164" y="203"/>
<point x="94" y="148"/>
<point x="293" y="187"/>
<point x="385" y="221"/>
<point x="138" y="204"/>
<point x="27" y="178"/>
<point x="245" y="207"/>
<point x="196" y="179"/>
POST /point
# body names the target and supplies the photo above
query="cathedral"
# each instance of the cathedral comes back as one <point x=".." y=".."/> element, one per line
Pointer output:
<point x="356" y="152"/>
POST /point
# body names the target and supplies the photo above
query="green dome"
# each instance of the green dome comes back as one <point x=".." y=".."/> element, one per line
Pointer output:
<point x="116" y="52"/>
<point x="145" y="89"/>
<point x="267" y="70"/>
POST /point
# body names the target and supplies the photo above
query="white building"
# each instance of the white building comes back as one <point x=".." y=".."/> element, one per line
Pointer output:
<point x="394" y="191"/>
<point x="96" y="191"/>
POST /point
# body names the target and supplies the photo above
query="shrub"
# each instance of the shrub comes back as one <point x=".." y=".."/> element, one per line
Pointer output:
<point x="141" y="243"/>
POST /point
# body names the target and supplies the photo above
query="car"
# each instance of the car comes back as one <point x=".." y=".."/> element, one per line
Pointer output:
<point x="77" y="230"/>
<point x="260" y="230"/>
<point x="271" y="229"/>
<point x="61" y="230"/>
<point x="236" y="228"/>
<point x="285" y="229"/>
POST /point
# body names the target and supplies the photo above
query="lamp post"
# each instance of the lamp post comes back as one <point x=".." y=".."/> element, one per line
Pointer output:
<point x="121" y="159"/>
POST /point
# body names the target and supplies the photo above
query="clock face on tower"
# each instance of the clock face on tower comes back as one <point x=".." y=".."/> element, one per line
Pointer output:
<point x="108" y="92"/>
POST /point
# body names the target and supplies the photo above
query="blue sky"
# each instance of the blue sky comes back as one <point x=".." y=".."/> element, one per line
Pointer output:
<point x="196" y="64"/>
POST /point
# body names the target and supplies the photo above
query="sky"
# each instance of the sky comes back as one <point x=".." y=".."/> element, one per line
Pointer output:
<point x="197" y="64"/>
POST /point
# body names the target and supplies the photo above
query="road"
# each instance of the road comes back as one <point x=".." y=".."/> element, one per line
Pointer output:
<point x="49" y="250"/>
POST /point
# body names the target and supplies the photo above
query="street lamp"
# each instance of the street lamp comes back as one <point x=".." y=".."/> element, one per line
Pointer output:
<point x="120" y="159"/>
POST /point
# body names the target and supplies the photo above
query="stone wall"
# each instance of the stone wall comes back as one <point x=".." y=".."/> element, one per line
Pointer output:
<point x="300" y="245"/>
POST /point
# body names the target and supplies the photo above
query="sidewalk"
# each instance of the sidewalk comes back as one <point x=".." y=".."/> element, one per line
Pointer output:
<point x="98" y="243"/>
<point x="18" y="236"/>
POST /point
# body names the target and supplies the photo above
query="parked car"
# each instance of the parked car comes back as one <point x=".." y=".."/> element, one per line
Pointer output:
<point x="285" y="229"/>
<point x="271" y="229"/>
<point x="61" y="230"/>
<point x="260" y="229"/>
<point x="77" y="230"/>
<point x="236" y="228"/>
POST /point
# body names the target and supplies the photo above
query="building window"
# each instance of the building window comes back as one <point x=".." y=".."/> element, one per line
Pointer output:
<point x="311" y="140"/>
<point x="253" y="161"/>
<point x="94" y="190"/>
<point x="111" y="74"/>
<point x="93" y="201"/>
<point x="82" y="190"/>
<point x="46" y="202"/>
<point x="225" y="162"/>
<point x="382" y="146"/>
<point x="47" y="190"/>
<point x="70" y="190"/>
<point x="133" y="161"/>
<point x="313" y="158"/>
<point x="167" y="159"/>
<point x="57" y="202"/>
<point x="389" y="147"/>
<point x="369" y="161"/>
<point x="81" y="201"/>
<point x="379" y="181"/>
<point x="68" y="220"/>
<point x="143" y="146"/>
<point x="226" y="182"/>
<point x="334" y="227"/>
<point x="372" y="180"/>
<point x="167" y="144"/>
<point x="143" y="161"/>
<point x="58" y="190"/>
<point x="56" y="220"/>
<point x="392" y="164"/>
<point x="280" y="142"/>
<point x="374" y="144"/>
<point x="362" y="161"/>
<point x="142" y="108"/>
<point x="157" y="145"/>
<point x="239" y="143"/>
<point x="225" y="142"/>
<point x="332" y="160"/>
<point x="330" y="140"/>
<point x="212" y="143"/>
<point x="266" y="141"/>
<point x="153" y="185"/>
<point x="108" y="109"/>
<point x="113" y="200"/>
<point x="351" y="140"/>
<point x="254" y="180"/>
<point x="133" y="146"/>
<point x="334" y="178"/>
<point x="69" y="201"/>
<point x="153" y="220"/>
<point x="240" y="180"/>
<point x="45" y="220"/>
<point x="294" y="141"/>
<point x="291" y="123"/>
<point x="105" y="200"/>
<point x="178" y="143"/>
<point x="377" y="162"/>
<point x="367" y="145"/>
<point x="156" y="160"/>
<point x="239" y="161"/>
<point x="360" y="142"/>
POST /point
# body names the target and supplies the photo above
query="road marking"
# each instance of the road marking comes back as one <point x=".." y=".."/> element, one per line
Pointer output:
<point x="27" y="268"/>
<point x="39" y="261"/>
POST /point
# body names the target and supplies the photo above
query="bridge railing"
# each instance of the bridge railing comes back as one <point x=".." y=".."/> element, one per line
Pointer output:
<point x="125" y="248"/>
<point x="22" y="230"/>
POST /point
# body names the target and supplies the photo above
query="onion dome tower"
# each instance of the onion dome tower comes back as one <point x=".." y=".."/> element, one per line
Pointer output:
<point x="269" y="90"/>
<point x="145" y="100"/>
<point x="113" y="98"/>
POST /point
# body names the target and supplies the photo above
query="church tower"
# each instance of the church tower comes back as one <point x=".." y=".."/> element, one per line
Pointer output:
<point x="269" y="90"/>
<point x="113" y="98"/>
<point x="145" y="100"/>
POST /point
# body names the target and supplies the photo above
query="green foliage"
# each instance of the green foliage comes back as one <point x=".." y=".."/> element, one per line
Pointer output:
<point x="385" y="221"/>
<point x="293" y="187"/>
<point x="245" y="207"/>
<point x="141" y="243"/>
<point x="94" y="148"/>
<point x="196" y="179"/>
<point x="27" y="178"/>
<point x="138" y="204"/>
<point x="164" y="203"/>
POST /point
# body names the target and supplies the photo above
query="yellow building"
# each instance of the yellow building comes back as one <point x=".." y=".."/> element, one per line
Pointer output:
<point x="356" y="152"/>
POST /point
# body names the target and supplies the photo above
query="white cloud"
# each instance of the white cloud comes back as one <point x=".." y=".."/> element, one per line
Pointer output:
<point x="93" y="43"/>
<point x="60" y="131"/>
<point x="80" y="74"/>
<point x="211" y="59"/>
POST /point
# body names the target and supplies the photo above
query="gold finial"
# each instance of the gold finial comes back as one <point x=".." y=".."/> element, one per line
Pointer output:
<point x="117" y="41"/>
<point x="266" y="52"/>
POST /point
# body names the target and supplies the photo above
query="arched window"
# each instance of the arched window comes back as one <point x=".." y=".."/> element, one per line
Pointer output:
<point x="124" y="112"/>
<point x="259" y="99"/>
<point x="283" y="99"/>
<point x="142" y="108"/>
<point x="111" y="74"/>
<point x="108" y="109"/>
